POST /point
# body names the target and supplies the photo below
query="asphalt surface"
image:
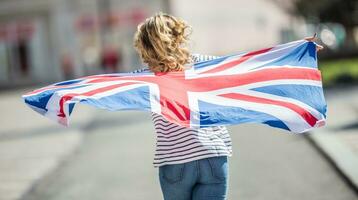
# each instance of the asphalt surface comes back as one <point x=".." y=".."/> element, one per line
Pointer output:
<point x="115" y="162"/>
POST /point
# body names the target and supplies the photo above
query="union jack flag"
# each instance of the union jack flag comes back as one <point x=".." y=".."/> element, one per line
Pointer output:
<point x="278" y="86"/>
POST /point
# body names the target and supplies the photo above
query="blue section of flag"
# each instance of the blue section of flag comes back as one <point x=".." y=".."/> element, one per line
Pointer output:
<point x="41" y="99"/>
<point x="71" y="106"/>
<point x="134" y="99"/>
<point x="303" y="56"/>
<point x="223" y="115"/>
<point x="300" y="93"/>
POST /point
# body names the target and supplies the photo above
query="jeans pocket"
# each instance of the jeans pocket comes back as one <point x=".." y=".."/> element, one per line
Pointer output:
<point x="219" y="167"/>
<point x="172" y="173"/>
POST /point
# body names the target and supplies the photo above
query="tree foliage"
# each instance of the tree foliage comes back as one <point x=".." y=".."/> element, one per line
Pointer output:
<point x="344" y="12"/>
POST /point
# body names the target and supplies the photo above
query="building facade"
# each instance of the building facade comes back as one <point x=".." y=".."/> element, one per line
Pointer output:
<point x="43" y="41"/>
<point x="233" y="26"/>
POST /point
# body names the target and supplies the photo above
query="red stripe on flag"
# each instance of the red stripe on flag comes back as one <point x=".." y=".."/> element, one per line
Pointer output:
<point x="204" y="84"/>
<point x="306" y="115"/>
<point x="236" y="62"/>
<point x="68" y="97"/>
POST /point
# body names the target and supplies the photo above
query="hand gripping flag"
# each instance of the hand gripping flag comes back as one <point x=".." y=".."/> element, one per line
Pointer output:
<point x="279" y="86"/>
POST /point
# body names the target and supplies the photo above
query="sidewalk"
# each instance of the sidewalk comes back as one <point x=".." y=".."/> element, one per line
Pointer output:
<point x="32" y="146"/>
<point x="338" y="140"/>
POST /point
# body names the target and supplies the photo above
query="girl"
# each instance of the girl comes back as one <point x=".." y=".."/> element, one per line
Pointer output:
<point x="192" y="163"/>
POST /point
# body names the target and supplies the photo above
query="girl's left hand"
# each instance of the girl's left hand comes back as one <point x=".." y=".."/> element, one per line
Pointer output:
<point x="312" y="39"/>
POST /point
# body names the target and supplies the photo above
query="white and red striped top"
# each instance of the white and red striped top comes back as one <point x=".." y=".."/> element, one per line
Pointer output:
<point x="177" y="144"/>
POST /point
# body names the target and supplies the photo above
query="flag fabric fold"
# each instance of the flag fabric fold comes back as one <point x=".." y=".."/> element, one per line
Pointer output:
<point x="279" y="86"/>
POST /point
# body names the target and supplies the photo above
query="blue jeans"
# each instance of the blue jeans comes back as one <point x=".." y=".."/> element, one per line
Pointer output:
<point x="205" y="179"/>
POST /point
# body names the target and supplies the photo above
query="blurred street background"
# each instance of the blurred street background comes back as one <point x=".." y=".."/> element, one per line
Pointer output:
<point x="97" y="157"/>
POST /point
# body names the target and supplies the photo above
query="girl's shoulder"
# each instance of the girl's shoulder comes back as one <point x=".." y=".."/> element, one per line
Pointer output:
<point x="196" y="57"/>
<point x="141" y="70"/>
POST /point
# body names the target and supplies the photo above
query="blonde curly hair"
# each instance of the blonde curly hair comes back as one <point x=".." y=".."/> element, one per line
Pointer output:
<point x="161" y="42"/>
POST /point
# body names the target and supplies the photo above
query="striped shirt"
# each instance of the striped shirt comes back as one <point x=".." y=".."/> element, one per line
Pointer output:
<point x="177" y="144"/>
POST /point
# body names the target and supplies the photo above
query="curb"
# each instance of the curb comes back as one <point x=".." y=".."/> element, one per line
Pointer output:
<point x="338" y="154"/>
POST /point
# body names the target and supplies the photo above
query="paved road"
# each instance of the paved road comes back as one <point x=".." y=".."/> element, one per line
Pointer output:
<point x="115" y="162"/>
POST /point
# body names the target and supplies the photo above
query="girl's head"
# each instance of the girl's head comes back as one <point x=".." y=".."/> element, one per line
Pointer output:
<point x="161" y="42"/>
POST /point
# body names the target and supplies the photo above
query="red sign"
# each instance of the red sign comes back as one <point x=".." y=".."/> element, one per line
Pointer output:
<point x="16" y="31"/>
<point x="112" y="19"/>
